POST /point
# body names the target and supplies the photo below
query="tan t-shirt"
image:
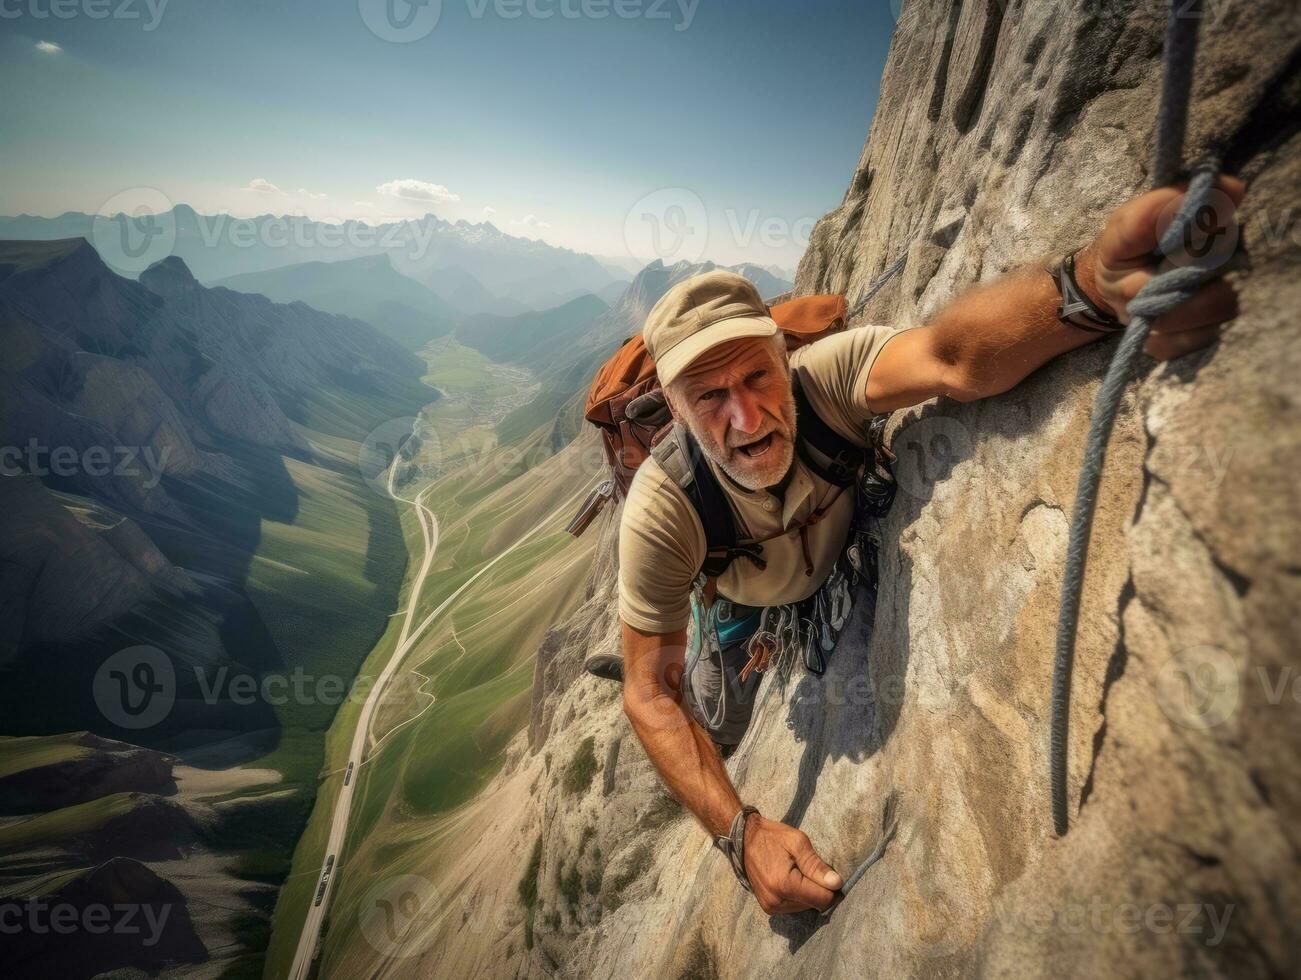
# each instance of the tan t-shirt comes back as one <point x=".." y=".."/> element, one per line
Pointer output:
<point x="662" y="542"/>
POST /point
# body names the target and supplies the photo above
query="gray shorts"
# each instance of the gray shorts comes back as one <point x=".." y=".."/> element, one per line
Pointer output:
<point x="715" y="695"/>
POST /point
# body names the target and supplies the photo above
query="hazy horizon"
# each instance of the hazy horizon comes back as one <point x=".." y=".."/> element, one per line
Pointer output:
<point x="553" y="121"/>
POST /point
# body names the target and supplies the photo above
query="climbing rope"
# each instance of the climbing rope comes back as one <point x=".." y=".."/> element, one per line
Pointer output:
<point x="894" y="269"/>
<point x="1162" y="294"/>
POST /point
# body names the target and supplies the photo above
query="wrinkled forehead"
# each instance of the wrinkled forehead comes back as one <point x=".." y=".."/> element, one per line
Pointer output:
<point x="720" y="364"/>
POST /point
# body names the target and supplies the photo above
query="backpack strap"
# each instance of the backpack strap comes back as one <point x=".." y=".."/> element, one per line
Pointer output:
<point x="824" y="450"/>
<point x="680" y="456"/>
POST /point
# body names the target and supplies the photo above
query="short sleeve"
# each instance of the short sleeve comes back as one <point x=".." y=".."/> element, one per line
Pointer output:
<point x="661" y="547"/>
<point x="833" y="373"/>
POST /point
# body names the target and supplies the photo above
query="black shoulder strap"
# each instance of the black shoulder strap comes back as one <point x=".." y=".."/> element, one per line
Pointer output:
<point x="681" y="457"/>
<point x="827" y="453"/>
<point x="824" y="450"/>
<point x="722" y="542"/>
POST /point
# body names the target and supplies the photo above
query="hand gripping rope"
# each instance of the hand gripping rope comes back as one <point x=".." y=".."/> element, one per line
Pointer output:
<point x="1162" y="294"/>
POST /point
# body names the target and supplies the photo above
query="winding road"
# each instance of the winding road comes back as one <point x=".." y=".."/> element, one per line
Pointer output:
<point x="309" y="937"/>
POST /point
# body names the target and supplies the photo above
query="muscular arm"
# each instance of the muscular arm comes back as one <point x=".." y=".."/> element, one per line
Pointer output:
<point x="685" y="756"/>
<point x="785" y="872"/>
<point x="992" y="337"/>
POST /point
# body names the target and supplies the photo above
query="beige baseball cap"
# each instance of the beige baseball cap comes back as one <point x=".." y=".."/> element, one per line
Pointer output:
<point x="703" y="312"/>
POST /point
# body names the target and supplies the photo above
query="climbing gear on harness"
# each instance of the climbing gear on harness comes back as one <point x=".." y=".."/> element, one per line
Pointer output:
<point x="1163" y="293"/>
<point x="733" y="845"/>
<point x="809" y="629"/>
<point x="1077" y="309"/>
<point x="729" y="646"/>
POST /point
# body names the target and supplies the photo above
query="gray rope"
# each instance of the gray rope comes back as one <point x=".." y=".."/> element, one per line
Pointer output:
<point x="1162" y="294"/>
<point x="892" y="271"/>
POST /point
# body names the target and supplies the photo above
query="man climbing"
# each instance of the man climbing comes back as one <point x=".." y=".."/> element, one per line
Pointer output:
<point x="733" y="392"/>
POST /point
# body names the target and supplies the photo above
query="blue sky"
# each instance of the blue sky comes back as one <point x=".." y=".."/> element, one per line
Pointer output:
<point x="550" y="126"/>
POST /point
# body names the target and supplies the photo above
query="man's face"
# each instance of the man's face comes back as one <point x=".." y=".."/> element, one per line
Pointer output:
<point x="736" y="399"/>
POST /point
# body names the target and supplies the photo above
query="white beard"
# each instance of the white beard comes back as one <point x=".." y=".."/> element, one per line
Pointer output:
<point x="764" y="471"/>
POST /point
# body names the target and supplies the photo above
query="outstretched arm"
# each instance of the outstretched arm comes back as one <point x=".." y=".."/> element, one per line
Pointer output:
<point x="994" y="336"/>
<point x="785" y="872"/>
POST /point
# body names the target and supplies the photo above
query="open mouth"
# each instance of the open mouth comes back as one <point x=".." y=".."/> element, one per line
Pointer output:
<point x="753" y="450"/>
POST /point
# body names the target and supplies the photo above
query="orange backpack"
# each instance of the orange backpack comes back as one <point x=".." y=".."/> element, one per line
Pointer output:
<point x="626" y="403"/>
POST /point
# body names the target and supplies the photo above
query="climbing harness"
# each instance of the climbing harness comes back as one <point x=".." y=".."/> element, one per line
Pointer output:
<point x="729" y="645"/>
<point x="1163" y="293"/>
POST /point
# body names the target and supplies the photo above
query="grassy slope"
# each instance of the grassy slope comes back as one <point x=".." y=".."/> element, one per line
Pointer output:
<point x="471" y="386"/>
<point x="477" y="658"/>
<point x="32" y="751"/>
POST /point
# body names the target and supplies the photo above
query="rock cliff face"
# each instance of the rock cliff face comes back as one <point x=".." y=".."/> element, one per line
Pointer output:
<point x="1005" y="131"/>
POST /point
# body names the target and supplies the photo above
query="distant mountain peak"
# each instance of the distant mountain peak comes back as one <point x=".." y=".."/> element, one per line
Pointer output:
<point x="169" y="277"/>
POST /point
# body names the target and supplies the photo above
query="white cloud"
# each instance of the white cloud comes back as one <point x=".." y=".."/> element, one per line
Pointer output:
<point x="489" y="211"/>
<point x="530" y="221"/>
<point x="262" y="186"/>
<point x="48" y="47"/>
<point x="315" y="197"/>
<point x="363" y="204"/>
<point x="417" y="190"/>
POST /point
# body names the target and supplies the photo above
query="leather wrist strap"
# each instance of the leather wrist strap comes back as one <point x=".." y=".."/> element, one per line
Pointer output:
<point x="733" y="845"/>
<point x="1077" y="309"/>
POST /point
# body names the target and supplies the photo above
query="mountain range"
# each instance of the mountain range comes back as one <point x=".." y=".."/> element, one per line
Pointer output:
<point x="181" y="505"/>
<point x="368" y="288"/>
<point x="218" y="246"/>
